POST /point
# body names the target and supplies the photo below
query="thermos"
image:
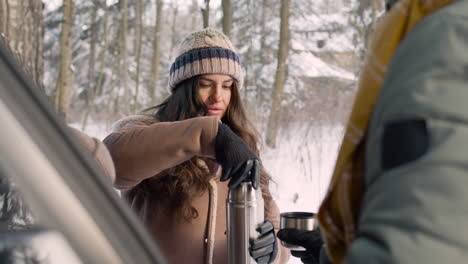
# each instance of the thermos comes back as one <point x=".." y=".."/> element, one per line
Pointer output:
<point x="244" y="214"/>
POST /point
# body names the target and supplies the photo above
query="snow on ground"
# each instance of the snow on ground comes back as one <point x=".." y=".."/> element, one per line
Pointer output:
<point x="307" y="64"/>
<point x="301" y="166"/>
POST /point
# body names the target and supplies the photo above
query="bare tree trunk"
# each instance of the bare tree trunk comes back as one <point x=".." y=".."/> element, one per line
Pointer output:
<point x="206" y="14"/>
<point x="117" y="70"/>
<point x="174" y="31"/>
<point x="13" y="24"/>
<point x="27" y="29"/>
<point x="3" y="17"/>
<point x="63" y="88"/>
<point x="194" y="12"/>
<point x="227" y="17"/>
<point x="23" y="33"/>
<point x="7" y="27"/>
<point x="139" y="29"/>
<point x="250" y="73"/>
<point x="156" y="52"/>
<point x="21" y="27"/>
<point x="97" y="89"/>
<point x="104" y="50"/>
<point x="123" y="51"/>
<point x="92" y="55"/>
<point x="38" y="70"/>
<point x="280" y="77"/>
<point x="263" y="31"/>
<point x="263" y="53"/>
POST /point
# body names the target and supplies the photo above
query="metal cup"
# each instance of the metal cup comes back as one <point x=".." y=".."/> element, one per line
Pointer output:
<point x="297" y="220"/>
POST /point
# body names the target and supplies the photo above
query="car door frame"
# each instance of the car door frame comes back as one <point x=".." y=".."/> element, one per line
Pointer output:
<point x="59" y="177"/>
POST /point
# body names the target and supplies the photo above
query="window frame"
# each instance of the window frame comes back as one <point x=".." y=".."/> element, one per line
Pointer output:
<point x="36" y="143"/>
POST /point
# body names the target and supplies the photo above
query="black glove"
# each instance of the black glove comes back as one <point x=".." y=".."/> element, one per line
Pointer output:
<point x="239" y="162"/>
<point x="264" y="249"/>
<point x="310" y="240"/>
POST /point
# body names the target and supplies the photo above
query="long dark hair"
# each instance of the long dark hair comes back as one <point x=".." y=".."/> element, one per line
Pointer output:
<point x="178" y="186"/>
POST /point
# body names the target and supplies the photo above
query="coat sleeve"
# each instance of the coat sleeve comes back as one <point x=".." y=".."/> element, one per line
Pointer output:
<point x="415" y="207"/>
<point x="272" y="214"/>
<point x="99" y="153"/>
<point x="141" y="149"/>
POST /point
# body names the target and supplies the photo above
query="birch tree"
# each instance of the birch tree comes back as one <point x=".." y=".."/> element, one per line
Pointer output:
<point x="13" y="14"/>
<point x="206" y="14"/>
<point x="174" y="34"/>
<point x="96" y="89"/>
<point x="123" y="50"/>
<point x="263" y="31"/>
<point x="38" y="41"/>
<point x="139" y="31"/>
<point x="3" y="17"/>
<point x="263" y="53"/>
<point x="280" y="77"/>
<point x="92" y="53"/>
<point x="227" y="17"/>
<point x="63" y="88"/>
<point x="116" y="74"/>
<point x="194" y="12"/>
<point x="21" y="28"/>
<point x="156" y="59"/>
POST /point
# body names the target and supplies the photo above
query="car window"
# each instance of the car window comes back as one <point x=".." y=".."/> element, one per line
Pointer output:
<point x="62" y="182"/>
<point x="14" y="214"/>
<point x="22" y="239"/>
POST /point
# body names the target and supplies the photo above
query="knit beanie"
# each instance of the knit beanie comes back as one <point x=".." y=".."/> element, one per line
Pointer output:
<point x="205" y="52"/>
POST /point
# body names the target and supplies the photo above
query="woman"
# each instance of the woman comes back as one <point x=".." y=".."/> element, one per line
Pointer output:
<point x="173" y="162"/>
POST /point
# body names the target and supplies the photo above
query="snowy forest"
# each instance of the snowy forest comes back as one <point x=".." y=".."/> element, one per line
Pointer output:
<point x="100" y="60"/>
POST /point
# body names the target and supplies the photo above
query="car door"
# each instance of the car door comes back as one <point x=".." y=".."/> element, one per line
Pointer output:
<point x="66" y="193"/>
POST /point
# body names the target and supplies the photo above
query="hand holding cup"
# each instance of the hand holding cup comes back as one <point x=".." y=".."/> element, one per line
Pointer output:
<point x="299" y="232"/>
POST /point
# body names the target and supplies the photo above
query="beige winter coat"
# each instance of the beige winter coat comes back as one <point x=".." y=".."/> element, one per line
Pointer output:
<point x="98" y="151"/>
<point x="141" y="149"/>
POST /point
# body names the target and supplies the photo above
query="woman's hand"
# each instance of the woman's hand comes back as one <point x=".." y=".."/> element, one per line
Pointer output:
<point x="310" y="240"/>
<point x="264" y="249"/>
<point x="239" y="162"/>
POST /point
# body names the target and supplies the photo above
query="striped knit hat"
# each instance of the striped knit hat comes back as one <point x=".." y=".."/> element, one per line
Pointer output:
<point x="205" y="52"/>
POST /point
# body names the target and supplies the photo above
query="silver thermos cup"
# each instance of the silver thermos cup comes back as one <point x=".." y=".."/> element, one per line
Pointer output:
<point x="244" y="214"/>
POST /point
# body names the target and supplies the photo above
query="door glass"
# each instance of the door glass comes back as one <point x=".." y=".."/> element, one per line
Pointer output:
<point x="22" y="240"/>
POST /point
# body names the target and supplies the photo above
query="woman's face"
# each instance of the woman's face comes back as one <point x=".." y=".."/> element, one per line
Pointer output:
<point x="215" y="92"/>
